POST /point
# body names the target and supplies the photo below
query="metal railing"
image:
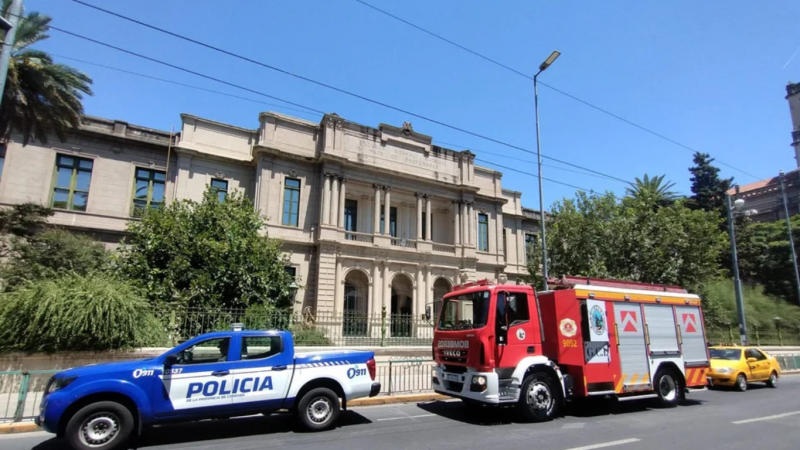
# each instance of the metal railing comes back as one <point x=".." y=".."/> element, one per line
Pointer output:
<point x="407" y="243"/>
<point x="756" y="336"/>
<point x="20" y="394"/>
<point x="353" y="329"/>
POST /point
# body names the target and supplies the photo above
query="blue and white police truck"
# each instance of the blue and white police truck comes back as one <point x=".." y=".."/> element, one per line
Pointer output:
<point x="214" y="375"/>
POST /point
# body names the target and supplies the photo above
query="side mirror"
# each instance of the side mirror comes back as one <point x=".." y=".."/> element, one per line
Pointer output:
<point x="750" y="360"/>
<point x="170" y="360"/>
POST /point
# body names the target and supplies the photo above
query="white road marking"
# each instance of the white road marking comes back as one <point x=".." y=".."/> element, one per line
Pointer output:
<point x="605" y="444"/>
<point x="405" y="417"/>
<point x="569" y="426"/>
<point x="34" y="434"/>
<point x="759" y="419"/>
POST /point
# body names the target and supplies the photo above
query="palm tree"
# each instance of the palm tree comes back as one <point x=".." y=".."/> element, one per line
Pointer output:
<point x="41" y="98"/>
<point x="652" y="192"/>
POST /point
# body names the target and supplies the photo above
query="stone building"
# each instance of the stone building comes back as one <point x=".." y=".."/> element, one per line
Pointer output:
<point x="370" y="218"/>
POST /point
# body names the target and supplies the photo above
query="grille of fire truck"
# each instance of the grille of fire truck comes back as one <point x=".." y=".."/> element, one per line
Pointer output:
<point x="455" y="369"/>
<point x="454" y="386"/>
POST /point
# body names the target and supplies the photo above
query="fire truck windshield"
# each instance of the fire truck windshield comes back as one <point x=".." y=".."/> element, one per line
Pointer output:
<point x="465" y="312"/>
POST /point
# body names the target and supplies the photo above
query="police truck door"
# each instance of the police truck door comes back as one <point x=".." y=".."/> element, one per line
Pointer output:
<point x="201" y="379"/>
<point x="263" y="373"/>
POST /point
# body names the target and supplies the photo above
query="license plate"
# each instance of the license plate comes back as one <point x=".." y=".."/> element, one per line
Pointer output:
<point x="451" y="377"/>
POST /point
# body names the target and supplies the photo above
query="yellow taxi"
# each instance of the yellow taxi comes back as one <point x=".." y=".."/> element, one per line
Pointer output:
<point x="737" y="366"/>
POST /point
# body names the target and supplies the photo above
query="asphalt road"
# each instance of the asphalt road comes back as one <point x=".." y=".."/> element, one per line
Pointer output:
<point x="760" y="418"/>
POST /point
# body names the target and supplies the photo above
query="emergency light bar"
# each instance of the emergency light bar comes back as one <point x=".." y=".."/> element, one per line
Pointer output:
<point x="237" y="326"/>
<point x="483" y="282"/>
<point x="568" y="282"/>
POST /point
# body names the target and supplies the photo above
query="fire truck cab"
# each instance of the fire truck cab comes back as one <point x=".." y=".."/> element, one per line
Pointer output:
<point x="506" y="345"/>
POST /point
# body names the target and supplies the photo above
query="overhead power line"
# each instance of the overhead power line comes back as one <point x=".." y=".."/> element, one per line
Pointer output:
<point x="234" y="85"/>
<point x="530" y="77"/>
<point x="294" y="75"/>
<point x="190" y="86"/>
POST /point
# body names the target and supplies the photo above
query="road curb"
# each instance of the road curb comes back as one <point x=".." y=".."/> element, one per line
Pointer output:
<point x="396" y="399"/>
<point x="18" y="427"/>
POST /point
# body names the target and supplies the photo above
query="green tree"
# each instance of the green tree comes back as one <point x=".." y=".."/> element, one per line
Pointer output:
<point x="208" y="254"/>
<point x="707" y="186"/>
<point x="77" y="312"/>
<point x="651" y="192"/>
<point x="52" y="253"/>
<point x="601" y="236"/>
<point x="41" y="98"/>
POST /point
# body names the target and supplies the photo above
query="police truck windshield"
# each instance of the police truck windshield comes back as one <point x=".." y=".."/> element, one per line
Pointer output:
<point x="465" y="312"/>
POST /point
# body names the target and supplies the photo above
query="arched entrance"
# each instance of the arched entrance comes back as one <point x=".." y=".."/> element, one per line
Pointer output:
<point x="440" y="287"/>
<point x="402" y="309"/>
<point x="356" y="298"/>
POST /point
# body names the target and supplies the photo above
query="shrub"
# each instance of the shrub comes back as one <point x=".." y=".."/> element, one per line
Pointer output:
<point x="77" y="312"/>
<point x="309" y="335"/>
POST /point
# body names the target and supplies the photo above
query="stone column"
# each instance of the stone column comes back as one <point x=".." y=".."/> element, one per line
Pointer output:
<point x="428" y="221"/>
<point x="472" y="225"/>
<point x="419" y="303"/>
<point x="184" y="172"/>
<point x="334" y="200"/>
<point x="387" y="209"/>
<point x="419" y="216"/>
<point x="456" y="223"/>
<point x="376" y="290"/>
<point x="387" y="289"/>
<point x="326" y="198"/>
<point x="376" y="219"/>
<point x="338" y="292"/>
<point x="428" y="297"/>
<point x="341" y="201"/>
<point x="464" y="224"/>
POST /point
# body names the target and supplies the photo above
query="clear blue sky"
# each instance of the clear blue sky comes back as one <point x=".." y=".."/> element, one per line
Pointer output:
<point x="709" y="74"/>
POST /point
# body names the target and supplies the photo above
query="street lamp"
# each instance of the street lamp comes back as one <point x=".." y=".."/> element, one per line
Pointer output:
<point x="10" y="28"/>
<point x="737" y="284"/>
<point x="293" y="288"/>
<point x="542" y="67"/>
<point x="791" y="238"/>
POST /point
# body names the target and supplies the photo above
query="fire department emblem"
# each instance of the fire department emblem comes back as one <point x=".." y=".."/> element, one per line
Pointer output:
<point x="598" y="320"/>
<point x="520" y="334"/>
<point x="568" y="327"/>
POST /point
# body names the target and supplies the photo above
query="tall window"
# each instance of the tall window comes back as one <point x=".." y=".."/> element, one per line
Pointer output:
<point x="351" y="215"/>
<point x="73" y="176"/>
<point x="148" y="190"/>
<point x="291" y="202"/>
<point x="483" y="232"/>
<point x="425" y="224"/>
<point x="220" y="187"/>
<point x="392" y="221"/>
<point x="530" y="246"/>
<point x="2" y="158"/>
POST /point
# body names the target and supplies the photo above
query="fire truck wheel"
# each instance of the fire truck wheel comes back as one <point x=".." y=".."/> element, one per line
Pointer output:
<point x="539" y="399"/>
<point x="668" y="387"/>
<point x="741" y="383"/>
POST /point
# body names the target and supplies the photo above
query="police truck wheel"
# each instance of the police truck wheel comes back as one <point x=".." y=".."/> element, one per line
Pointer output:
<point x="318" y="409"/>
<point x="773" y="380"/>
<point x="668" y="386"/>
<point x="100" y="426"/>
<point x="539" y="398"/>
<point x="741" y="383"/>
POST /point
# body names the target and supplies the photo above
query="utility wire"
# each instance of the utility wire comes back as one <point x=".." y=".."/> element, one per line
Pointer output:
<point x="529" y="77"/>
<point x="178" y="83"/>
<point x="531" y="175"/>
<point x="248" y="89"/>
<point x="596" y="173"/>
<point x="294" y="75"/>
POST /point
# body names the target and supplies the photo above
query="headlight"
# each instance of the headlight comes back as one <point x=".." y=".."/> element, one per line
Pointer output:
<point x="723" y="370"/>
<point x="479" y="380"/>
<point x="59" y="383"/>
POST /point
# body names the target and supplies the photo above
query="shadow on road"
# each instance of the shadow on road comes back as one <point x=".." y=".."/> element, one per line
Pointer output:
<point x="487" y="416"/>
<point x="208" y="430"/>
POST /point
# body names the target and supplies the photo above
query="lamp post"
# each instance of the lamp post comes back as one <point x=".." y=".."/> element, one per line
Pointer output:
<point x="542" y="67"/>
<point x="737" y="284"/>
<point x="10" y="27"/>
<point x="791" y="238"/>
<point x="293" y="288"/>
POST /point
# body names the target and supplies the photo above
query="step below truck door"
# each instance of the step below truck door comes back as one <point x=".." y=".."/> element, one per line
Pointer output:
<point x="262" y="376"/>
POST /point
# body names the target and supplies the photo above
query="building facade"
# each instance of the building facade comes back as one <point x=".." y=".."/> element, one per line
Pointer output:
<point x="371" y="219"/>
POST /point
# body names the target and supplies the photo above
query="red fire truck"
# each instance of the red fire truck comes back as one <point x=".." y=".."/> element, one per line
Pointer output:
<point x="506" y="345"/>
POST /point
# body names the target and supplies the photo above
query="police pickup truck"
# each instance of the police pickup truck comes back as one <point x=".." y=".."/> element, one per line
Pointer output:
<point x="215" y="375"/>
